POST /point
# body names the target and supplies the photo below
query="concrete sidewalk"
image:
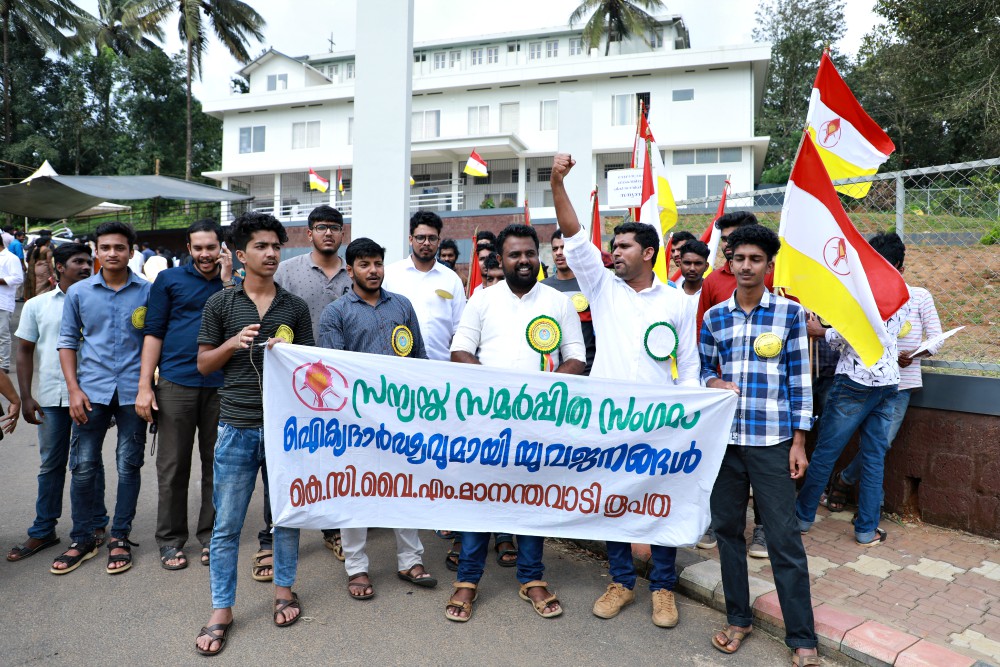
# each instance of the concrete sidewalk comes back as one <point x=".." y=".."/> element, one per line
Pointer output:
<point x="927" y="596"/>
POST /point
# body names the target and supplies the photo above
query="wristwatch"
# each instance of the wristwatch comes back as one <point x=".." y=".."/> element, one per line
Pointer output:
<point x="230" y="283"/>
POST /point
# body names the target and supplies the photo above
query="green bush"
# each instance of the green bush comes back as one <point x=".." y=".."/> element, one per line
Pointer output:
<point x="992" y="237"/>
<point x="507" y="203"/>
<point x="487" y="203"/>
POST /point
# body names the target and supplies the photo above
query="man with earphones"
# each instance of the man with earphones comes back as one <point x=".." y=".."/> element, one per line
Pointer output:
<point x="236" y="325"/>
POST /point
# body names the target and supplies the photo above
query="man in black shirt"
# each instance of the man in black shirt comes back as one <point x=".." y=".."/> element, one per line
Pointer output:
<point x="233" y="322"/>
<point x="565" y="282"/>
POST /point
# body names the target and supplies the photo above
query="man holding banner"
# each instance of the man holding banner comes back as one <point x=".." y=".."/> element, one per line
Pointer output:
<point x="644" y="330"/>
<point x="232" y="322"/>
<point x="755" y="344"/>
<point x="525" y="325"/>
<point x="373" y="320"/>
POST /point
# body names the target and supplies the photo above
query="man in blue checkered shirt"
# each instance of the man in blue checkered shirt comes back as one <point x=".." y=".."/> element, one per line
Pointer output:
<point x="756" y="345"/>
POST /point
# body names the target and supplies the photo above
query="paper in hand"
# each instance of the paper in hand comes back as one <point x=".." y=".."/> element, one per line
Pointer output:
<point x="931" y="342"/>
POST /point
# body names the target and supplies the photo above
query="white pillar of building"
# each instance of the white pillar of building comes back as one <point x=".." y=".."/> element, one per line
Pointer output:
<point x="522" y="178"/>
<point x="382" y="102"/>
<point x="455" y="176"/>
<point x="277" y="195"/>
<point x="576" y="137"/>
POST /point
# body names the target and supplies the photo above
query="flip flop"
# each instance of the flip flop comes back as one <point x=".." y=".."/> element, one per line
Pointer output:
<point x="20" y="552"/>
<point x="206" y="559"/>
<point x="423" y="582"/>
<point x="363" y="596"/>
<point x="210" y="631"/>
<point x="282" y="605"/>
<point x="172" y="553"/>
<point x="505" y="552"/>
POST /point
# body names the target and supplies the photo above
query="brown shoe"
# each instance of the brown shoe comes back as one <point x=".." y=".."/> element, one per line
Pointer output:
<point x="664" y="609"/>
<point x="616" y="597"/>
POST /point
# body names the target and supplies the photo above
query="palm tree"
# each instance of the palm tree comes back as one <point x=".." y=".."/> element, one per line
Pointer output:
<point x="616" y="19"/>
<point x="233" y="22"/>
<point x="125" y="26"/>
<point x="38" y="21"/>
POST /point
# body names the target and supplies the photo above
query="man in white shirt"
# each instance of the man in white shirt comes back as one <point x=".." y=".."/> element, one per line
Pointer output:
<point x="522" y="324"/>
<point x="643" y="329"/>
<point x="11" y="275"/>
<point x="435" y="291"/>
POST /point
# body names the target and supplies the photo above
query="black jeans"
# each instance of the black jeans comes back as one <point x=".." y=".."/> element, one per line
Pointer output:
<point x="766" y="468"/>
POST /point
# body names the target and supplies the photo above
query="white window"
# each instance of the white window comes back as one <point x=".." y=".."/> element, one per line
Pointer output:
<point x="454" y="59"/>
<point x="684" y="95"/>
<point x="575" y="46"/>
<point x="440" y="60"/>
<point x="655" y="38"/>
<point x="534" y="51"/>
<point x="305" y="135"/>
<point x="549" y="115"/>
<point x="476" y="57"/>
<point x="683" y="157"/>
<point x="703" y="186"/>
<point x="623" y="109"/>
<point x="493" y="55"/>
<point x="252" y="139"/>
<point x="479" y="120"/>
<point x="707" y="155"/>
<point x="552" y="48"/>
<point x="349" y="71"/>
<point x="510" y="117"/>
<point x="350" y="130"/>
<point x="425" y="125"/>
<point x="731" y="154"/>
<point x="277" y="82"/>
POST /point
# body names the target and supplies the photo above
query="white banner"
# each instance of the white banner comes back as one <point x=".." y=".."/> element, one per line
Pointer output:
<point x="356" y="440"/>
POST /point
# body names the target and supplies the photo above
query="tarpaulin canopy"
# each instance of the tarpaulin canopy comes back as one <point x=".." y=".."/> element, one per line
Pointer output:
<point x="56" y="197"/>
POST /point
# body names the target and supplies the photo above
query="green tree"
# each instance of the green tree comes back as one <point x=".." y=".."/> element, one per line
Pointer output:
<point x="615" y="20"/>
<point x="798" y="31"/>
<point x="234" y="22"/>
<point x="126" y="26"/>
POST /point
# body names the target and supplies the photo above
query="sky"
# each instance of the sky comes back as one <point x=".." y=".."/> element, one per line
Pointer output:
<point x="710" y="23"/>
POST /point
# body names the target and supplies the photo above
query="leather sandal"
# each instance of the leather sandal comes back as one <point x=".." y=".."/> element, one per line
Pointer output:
<point x="359" y="585"/>
<point x="281" y="605"/>
<point x="732" y="635"/>
<point x="122" y="543"/>
<point x="257" y="567"/>
<point x="87" y="551"/>
<point x="462" y="606"/>
<point x="541" y="604"/>
<point x="218" y="633"/>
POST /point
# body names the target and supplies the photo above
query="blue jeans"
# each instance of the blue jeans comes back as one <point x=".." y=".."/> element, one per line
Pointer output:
<point x="53" y="447"/>
<point x="662" y="575"/>
<point x="87" y="485"/>
<point x="239" y="455"/>
<point x="852" y="473"/>
<point x="472" y="561"/>
<point x="850" y="406"/>
<point x="766" y="468"/>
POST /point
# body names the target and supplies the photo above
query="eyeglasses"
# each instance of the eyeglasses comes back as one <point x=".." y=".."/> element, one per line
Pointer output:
<point x="423" y="238"/>
<point x="323" y="229"/>
<point x="724" y="239"/>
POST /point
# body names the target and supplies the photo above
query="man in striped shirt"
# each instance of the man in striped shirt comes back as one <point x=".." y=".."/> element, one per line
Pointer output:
<point x="236" y="325"/>
<point x="756" y="345"/>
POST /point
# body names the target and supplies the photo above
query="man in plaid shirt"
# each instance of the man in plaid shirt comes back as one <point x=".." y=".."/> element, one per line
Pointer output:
<point x="755" y="344"/>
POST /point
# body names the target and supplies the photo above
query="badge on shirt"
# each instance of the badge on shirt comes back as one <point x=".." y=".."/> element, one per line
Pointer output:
<point x="543" y="334"/>
<point x="905" y="330"/>
<point x="767" y="345"/>
<point x="285" y="333"/>
<point x="660" y="341"/>
<point x="580" y="302"/>
<point x="444" y="294"/>
<point x="402" y="340"/>
<point x="139" y="317"/>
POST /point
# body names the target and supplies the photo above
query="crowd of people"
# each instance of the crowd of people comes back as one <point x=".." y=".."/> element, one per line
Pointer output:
<point x="181" y="357"/>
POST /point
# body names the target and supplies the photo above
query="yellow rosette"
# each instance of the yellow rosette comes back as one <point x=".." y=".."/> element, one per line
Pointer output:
<point x="905" y="330"/>
<point x="139" y="317"/>
<point x="767" y="345"/>
<point x="402" y="340"/>
<point x="543" y="334"/>
<point x="285" y="333"/>
<point x="580" y="302"/>
<point x="444" y="294"/>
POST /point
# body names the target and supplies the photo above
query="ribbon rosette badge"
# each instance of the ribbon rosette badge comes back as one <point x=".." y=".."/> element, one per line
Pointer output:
<point x="767" y="345"/>
<point x="661" y="341"/>
<point x="402" y="340"/>
<point x="543" y="334"/>
<point x="139" y="317"/>
<point x="905" y="330"/>
<point x="580" y="302"/>
<point x="285" y="333"/>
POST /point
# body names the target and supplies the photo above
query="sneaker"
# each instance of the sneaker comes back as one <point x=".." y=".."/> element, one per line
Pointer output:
<point x="616" y="597"/>
<point x="708" y="540"/>
<point x="664" y="609"/>
<point x="758" y="544"/>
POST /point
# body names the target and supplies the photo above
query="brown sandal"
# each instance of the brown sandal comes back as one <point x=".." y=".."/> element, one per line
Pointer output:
<point x="281" y="605"/>
<point x="731" y="635"/>
<point x="257" y="567"/>
<point x="351" y="587"/>
<point x="461" y="606"/>
<point x="541" y="604"/>
<point x="805" y="660"/>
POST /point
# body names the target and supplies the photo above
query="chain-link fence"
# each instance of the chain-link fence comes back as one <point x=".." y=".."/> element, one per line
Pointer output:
<point x="949" y="218"/>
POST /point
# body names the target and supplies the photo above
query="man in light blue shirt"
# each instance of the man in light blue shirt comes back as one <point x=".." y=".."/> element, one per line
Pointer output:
<point x="38" y="331"/>
<point x="102" y="326"/>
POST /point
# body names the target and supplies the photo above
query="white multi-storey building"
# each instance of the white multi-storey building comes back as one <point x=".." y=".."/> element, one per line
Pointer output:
<point x="498" y="94"/>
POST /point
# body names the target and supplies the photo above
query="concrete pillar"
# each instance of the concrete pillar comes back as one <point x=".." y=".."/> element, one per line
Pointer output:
<point x="576" y="137"/>
<point x="455" y="175"/>
<point x="522" y="177"/>
<point x="382" y="103"/>
<point x="277" y="195"/>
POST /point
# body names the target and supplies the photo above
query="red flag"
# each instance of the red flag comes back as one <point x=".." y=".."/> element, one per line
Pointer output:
<point x="595" y="222"/>
<point x="706" y="236"/>
<point x="475" y="275"/>
<point x="647" y="187"/>
<point x="527" y="215"/>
